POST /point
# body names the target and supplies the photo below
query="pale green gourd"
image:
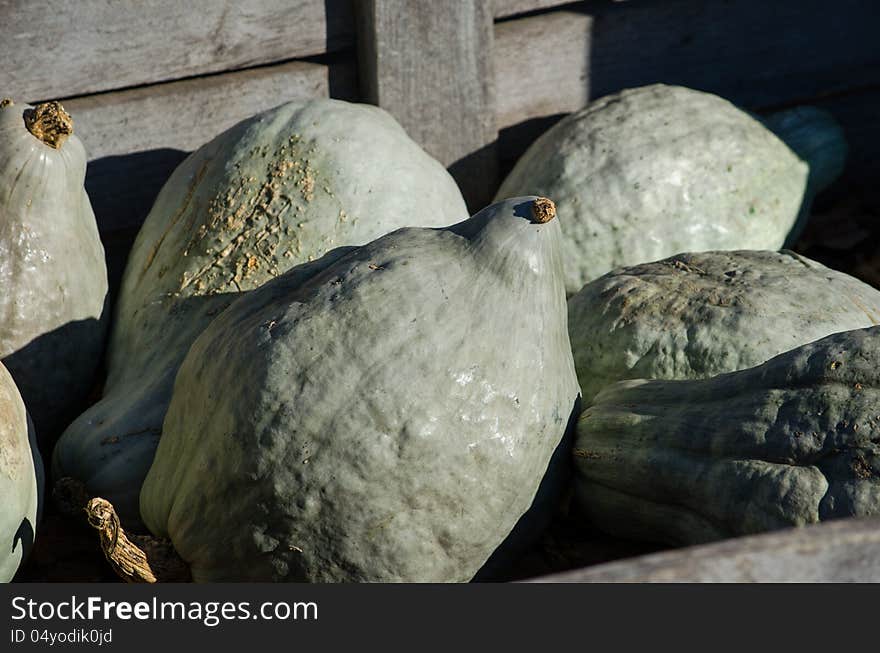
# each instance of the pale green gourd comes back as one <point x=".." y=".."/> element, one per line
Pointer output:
<point x="790" y="442"/>
<point x="696" y="315"/>
<point x="52" y="266"/>
<point x="653" y="171"/>
<point x="279" y="189"/>
<point x="386" y="413"/>
<point x="21" y="479"/>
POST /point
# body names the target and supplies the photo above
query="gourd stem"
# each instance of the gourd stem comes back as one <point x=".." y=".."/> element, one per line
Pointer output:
<point x="50" y="123"/>
<point x="134" y="558"/>
<point x="6" y="102"/>
<point x="543" y="210"/>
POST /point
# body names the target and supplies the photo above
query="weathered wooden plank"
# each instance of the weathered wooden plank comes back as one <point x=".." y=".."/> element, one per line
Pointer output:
<point x="553" y="63"/>
<point x="840" y="551"/>
<point x="505" y="8"/>
<point x="430" y="66"/>
<point x="135" y="138"/>
<point x="542" y="66"/>
<point x="62" y="49"/>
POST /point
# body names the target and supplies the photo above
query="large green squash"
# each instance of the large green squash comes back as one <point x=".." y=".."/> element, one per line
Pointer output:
<point x="21" y="479"/>
<point x="652" y="171"/>
<point x="52" y="266"/>
<point x="693" y="316"/>
<point x="386" y="413"/>
<point x="790" y="442"/>
<point x="276" y="190"/>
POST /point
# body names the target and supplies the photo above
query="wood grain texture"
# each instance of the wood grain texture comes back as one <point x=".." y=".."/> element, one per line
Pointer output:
<point x="135" y="138"/>
<point x="554" y="63"/>
<point x="61" y="49"/>
<point x="542" y="66"/>
<point x="846" y="550"/>
<point x="430" y="66"/>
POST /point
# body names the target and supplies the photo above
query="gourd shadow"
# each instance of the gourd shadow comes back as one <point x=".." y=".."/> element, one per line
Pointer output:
<point x="342" y="77"/>
<point x="477" y="176"/>
<point x="23" y="538"/>
<point x="513" y="141"/>
<point x="55" y="372"/>
<point x="122" y="188"/>
<point x="535" y="521"/>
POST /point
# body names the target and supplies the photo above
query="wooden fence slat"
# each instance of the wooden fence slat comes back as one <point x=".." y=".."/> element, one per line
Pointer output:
<point x="135" y="138"/>
<point x="846" y="550"/>
<point x="542" y="66"/>
<point x="430" y="66"/>
<point x="553" y="63"/>
<point x="62" y="49"/>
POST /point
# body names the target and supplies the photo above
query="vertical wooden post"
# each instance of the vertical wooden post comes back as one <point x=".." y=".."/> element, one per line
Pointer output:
<point x="430" y="65"/>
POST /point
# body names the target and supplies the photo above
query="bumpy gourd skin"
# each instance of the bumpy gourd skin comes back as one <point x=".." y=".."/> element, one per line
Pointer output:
<point x="52" y="272"/>
<point x="652" y="171"/>
<point x="21" y="479"/>
<point x="693" y="316"/>
<point x="279" y="189"/>
<point x="385" y="414"/>
<point x="791" y="442"/>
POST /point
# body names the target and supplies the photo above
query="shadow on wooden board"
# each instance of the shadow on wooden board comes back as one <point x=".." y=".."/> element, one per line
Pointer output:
<point x="122" y="188"/>
<point x="477" y="176"/>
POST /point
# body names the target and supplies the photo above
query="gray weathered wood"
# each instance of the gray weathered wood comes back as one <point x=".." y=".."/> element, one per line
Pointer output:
<point x="430" y="66"/>
<point x="542" y="66"/>
<point x="554" y="62"/>
<point x="61" y="49"/>
<point x="839" y="551"/>
<point x="505" y="8"/>
<point x="135" y="138"/>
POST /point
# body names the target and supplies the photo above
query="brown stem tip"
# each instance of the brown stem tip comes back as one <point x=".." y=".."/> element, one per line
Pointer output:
<point x="543" y="210"/>
<point x="50" y="123"/>
<point x="135" y="558"/>
<point x="6" y="102"/>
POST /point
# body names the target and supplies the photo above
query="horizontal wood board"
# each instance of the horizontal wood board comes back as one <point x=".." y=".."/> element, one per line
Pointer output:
<point x="53" y="49"/>
<point x="846" y="550"/>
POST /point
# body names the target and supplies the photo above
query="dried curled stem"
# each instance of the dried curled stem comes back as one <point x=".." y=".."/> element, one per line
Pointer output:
<point x="50" y="123"/>
<point x="135" y="558"/>
<point x="543" y="210"/>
